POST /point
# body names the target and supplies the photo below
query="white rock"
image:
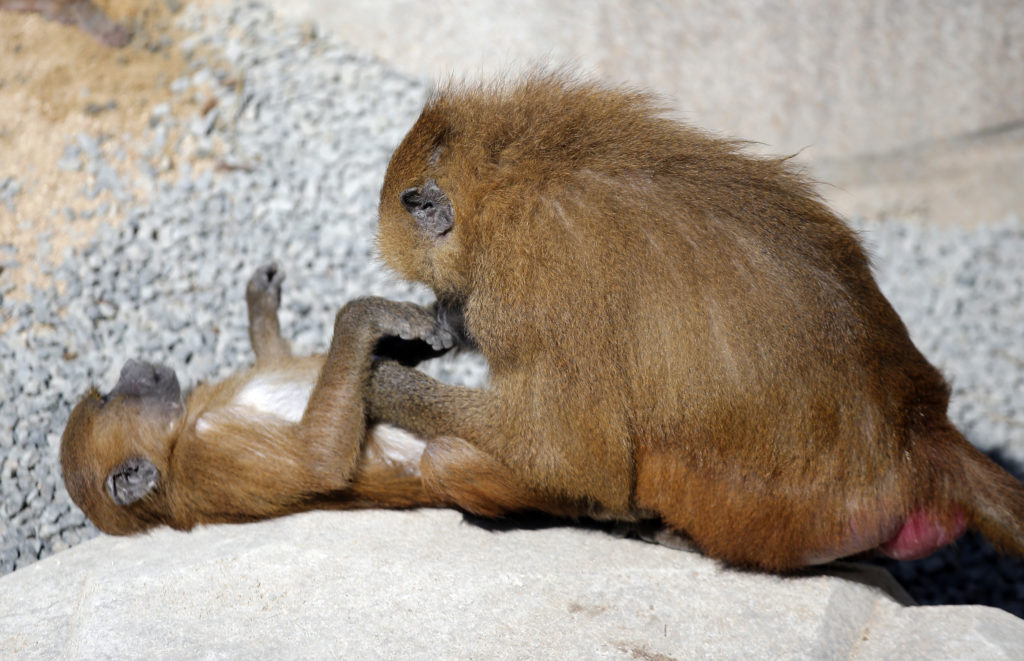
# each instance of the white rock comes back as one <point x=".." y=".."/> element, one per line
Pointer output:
<point x="426" y="585"/>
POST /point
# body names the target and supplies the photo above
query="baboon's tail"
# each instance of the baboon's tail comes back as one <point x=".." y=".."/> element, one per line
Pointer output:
<point x="992" y="498"/>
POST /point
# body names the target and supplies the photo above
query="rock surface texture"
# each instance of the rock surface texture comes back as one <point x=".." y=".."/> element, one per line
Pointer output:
<point x="427" y="585"/>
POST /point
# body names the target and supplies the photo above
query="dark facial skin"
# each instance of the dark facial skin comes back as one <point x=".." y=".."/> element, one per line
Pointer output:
<point x="155" y="384"/>
<point x="430" y="207"/>
<point x="155" y="390"/>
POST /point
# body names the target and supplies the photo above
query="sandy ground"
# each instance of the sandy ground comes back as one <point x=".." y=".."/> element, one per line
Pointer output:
<point x="57" y="82"/>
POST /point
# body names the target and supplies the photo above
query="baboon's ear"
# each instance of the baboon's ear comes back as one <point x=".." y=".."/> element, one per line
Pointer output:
<point x="132" y="480"/>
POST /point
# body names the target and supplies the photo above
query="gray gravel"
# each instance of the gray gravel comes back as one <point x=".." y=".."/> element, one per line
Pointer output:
<point x="303" y="144"/>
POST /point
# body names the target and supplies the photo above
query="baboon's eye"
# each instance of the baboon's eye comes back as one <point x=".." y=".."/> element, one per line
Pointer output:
<point x="412" y="200"/>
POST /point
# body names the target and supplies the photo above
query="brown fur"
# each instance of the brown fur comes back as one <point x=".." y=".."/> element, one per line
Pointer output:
<point x="674" y="329"/>
<point x="221" y="460"/>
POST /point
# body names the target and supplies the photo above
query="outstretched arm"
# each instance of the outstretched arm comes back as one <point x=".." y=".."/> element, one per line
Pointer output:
<point x="459" y="467"/>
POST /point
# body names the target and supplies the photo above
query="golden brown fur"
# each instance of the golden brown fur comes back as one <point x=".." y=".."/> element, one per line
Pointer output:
<point x="249" y="447"/>
<point x="674" y="329"/>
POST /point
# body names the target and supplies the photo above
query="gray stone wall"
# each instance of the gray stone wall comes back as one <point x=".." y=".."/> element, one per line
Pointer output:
<point x="908" y="107"/>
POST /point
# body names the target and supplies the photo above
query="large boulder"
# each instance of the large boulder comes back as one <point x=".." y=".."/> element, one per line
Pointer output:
<point x="427" y="584"/>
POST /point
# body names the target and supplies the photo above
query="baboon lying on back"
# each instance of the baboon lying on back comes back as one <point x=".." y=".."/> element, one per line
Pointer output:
<point x="674" y="329"/>
<point x="250" y="447"/>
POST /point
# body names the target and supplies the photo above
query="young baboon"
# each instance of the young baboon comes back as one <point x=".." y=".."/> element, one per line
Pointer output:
<point x="250" y="447"/>
<point x="674" y="329"/>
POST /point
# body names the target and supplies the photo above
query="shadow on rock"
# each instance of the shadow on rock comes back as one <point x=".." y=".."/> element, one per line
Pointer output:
<point x="968" y="572"/>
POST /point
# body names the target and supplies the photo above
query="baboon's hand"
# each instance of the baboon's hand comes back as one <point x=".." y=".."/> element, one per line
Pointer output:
<point x="442" y="336"/>
<point x="263" y="291"/>
<point x="450" y="326"/>
<point x="383" y="318"/>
